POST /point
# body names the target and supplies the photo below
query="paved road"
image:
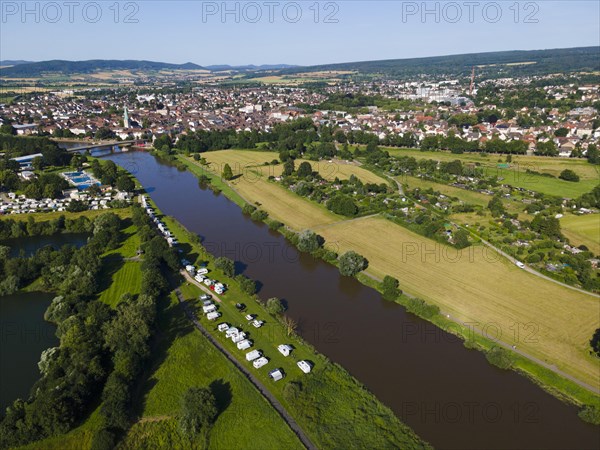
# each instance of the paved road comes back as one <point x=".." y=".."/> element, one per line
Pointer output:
<point x="535" y="272"/>
<point x="261" y="388"/>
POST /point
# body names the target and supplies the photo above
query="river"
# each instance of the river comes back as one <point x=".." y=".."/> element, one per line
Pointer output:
<point x="451" y="396"/>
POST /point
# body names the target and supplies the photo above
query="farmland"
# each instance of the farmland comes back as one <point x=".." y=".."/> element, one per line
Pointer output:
<point x="564" y="319"/>
<point x="516" y="175"/>
<point x="583" y="230"/>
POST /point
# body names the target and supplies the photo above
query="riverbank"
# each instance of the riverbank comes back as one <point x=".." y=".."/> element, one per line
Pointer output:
<point x="557" y="385"/>
<point x="328" y="393"/>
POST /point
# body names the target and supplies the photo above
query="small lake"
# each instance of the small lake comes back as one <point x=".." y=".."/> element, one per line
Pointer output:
<point x="31" y="244"/>
<point x="23" y="336"/>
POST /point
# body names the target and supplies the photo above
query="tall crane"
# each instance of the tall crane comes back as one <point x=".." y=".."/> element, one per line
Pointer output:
<point x="472" y="82"/>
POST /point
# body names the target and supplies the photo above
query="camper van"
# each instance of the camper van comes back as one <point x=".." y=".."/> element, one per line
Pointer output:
<point x="209" y="308"/>
<point x="190" y="269"/>
<point x="276" y="374"/>
<point x="202" y="271"/>
<point x="285" y="349"/>
<point x="254" y="354"/>
<point x="260" y="362"/>
<point x="520" y="264"/>
<point x="304" y="366"/>
<point x="223" y="327"/>
<point x="244" y="345"/>
<point x="213" y="315"/>
<point x="238" y="337"/>
<point x="231" y="331"/>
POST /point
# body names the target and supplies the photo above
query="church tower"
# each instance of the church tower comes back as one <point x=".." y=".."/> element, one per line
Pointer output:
<point x="126" y="121"/>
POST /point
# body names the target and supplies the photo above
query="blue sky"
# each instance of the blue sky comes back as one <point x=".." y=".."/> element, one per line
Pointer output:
<point x="181" y="31"/>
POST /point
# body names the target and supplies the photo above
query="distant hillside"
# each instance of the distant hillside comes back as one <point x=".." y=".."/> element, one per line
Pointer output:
<point x="222" y="67"/>
<point x="10" y="62"/>
<point x="492" y="64"/>
<point x="71" y="67"/>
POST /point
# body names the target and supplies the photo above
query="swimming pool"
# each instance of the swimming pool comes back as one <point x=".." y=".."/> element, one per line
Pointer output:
<point x="81" y="180"/>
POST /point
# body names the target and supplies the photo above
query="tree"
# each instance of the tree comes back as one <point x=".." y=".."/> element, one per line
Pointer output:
<point x="390" y="288"/>
<point x="304" y="170"/>
<point x="198" y="411"/>
<point x="288" y="167"/>
<point x="561" y="132"/>
<point x="496" y="206"/>
<point x="226" y="265"/>
<point x="309" y="241"/>
<point x="461" y="239"/>
<point x="37" y="163"/>
<point x="351" y="263"/>
<point x="593" y="155"/>
<point x="275" y="306"/>
<point x="568" y="175"/>
<point x="227" y="172"/>
<point x="125" y="183"/>
<point x="595" y="342"/>
<point x="342" y="204"/>
<point x="546" y="225"/>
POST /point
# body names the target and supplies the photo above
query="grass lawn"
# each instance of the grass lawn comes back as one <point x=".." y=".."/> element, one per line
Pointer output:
<point x="44" y="216"/>
<point x="583" y="229"/>
<point x="476" y="286"/>
<point x="516" y="175"/>
<point x="183" y="358"/>
<point x="125" y="277"/>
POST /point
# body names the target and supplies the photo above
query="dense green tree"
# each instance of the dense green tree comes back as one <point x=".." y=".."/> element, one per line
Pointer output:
<point x="227" y="172"/>
<point x="125" y="183"/>
<point x="350" y="263"/>
<point x="343" y="205"/>
<point x="226" y="265"/>
<point x="304" y="170"/>
<point x="198" y="411"/>
<point x="569" y="175"/>
<point x="390" y="288"/>
<point x="275" y="306"/>
<point x="309" y="241"/>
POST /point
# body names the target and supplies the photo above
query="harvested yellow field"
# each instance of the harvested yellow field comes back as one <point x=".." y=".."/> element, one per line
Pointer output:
<point x="251" y="163"/>
<point x="550" y="322"/>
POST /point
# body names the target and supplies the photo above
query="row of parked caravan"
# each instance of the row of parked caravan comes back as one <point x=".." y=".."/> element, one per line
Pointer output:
<point x="209" y="308"/>
<point x="200" y="275"/>
<point x="258" y="359"/>
<point x="161" y="226"/>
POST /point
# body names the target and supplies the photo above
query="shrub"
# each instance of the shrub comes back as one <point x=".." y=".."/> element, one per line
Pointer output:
<point x="390" y="288"/>
<point x="590" y="414"/>
<point x="568" y="175"/>
<point x="226" y="265"/>
<point x="500" y="357"/>
<point x="259" y="215"/>
<point x="350" y="263"/>
<point x="421" y="308"/>
<point x="248" y="208"/>
<point x="275" y="306"/>
<point x="198" y="410"/>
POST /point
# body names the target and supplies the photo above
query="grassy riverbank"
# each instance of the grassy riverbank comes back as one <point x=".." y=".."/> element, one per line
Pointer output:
<point x="332" y="407"/>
